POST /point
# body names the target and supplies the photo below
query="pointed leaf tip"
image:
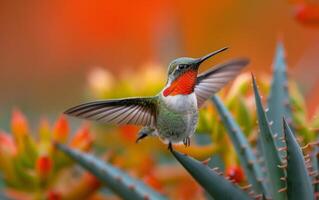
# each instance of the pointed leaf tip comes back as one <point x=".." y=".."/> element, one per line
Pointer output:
<point x="299" y="185"/>
<point x="280" y="57"/>
<point x="269" y="148"/>
<point x="279" y="98"/>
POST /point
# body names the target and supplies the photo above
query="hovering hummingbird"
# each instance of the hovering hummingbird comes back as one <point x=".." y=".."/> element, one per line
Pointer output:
<point x="172" y="115"/>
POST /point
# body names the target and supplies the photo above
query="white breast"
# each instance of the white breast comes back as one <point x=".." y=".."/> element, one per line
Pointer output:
<point x="181" y="103"/>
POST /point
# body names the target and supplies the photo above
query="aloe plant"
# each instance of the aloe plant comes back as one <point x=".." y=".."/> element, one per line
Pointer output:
<point x="214" y="184"/>
<point x="288" y="178"/>
<point x="279" y="100"/>
<point x="315" y="166"/>
<point x="243" y="148"/>
<point x="3" y="196"/>
<point x="115" y="179"/>
<point x="269" y="149"/>
<point x="299" y="185"/>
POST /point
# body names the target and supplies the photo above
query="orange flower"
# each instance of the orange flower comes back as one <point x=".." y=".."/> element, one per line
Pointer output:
<point x="152" y="181"/>
<point x="187" y="189"/>
<point x="7" y="144"/>
<point x="82" y="139"/>
<point x="61" y="129"/>
<point x="235" y="173"/>
<point x="44" y="166"/>
<point x="307" y="13"/>
<point x="19" y="124"/>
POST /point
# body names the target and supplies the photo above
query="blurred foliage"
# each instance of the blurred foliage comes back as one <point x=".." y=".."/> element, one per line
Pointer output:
<point x="30" y="165"/>
<point x="147" y="81"/>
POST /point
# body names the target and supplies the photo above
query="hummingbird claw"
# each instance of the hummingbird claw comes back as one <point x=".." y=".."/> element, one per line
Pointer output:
<point x="187" y="142"/>
<point x="170" y="146"/>
<point x="140" y="137"/>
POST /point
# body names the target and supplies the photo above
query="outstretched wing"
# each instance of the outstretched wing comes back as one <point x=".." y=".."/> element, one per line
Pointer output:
<point x="138" y="111"/>
<point x="211" y="81"/>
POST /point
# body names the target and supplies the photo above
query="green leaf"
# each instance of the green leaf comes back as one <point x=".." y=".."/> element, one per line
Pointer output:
<point x="29" y="153"/>
<point x="315" y="164"/>
<point x="217" y="186"/>
<point x="299" y="185"/>
<point x="279" y="100"/>
<point x="269" y="150"/>
<point x="244" y="151"/>
<point x="115" y="179"/>
<point x="3" y="196"/>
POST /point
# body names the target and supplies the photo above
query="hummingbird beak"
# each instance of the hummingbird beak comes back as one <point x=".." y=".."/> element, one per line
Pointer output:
<point x="202" y="59"/>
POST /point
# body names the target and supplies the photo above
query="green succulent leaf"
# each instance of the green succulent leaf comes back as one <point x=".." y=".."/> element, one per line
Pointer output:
<point x="3" y="196"/>
<point x="269" y="150"/>
<point x="30" y="152"/>
<point x="299" y="185"/>
<point x="315" y="164"/>
<point x="217" y="186"/>
<point x="244" y="151"/>
<point x="279" y="100"/>
<point x="118" y="181"/>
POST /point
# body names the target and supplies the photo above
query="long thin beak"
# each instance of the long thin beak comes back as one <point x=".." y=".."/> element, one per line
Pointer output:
<point x="202" y="59"/>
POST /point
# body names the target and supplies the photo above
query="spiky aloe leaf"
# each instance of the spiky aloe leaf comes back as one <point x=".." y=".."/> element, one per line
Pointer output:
<point x="3" y="196"/>
<point x="315" y="165"/>
<point x="269" y="150"/>
<point x="244" y="151"/>
<point x="299" y="185"/>
<point x="115" y="179"/>
<point x="217" y="186"/>
<point x="278" y="100"/>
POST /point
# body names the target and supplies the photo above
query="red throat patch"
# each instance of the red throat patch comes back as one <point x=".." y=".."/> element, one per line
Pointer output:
<point x="182" y="85"/>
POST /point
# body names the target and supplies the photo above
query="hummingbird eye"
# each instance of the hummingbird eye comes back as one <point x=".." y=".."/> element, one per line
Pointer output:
<point x="181" y="66"/>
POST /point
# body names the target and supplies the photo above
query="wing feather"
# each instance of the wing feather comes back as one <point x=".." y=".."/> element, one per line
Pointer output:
<point x="211" y="81"/>
<point x="125" y="117"/>
<point x="139" y="111"/>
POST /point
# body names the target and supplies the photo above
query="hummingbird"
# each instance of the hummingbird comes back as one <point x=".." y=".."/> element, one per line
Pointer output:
<point x="172" y="114"/>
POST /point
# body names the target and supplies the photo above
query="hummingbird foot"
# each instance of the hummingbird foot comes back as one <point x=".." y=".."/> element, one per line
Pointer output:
<point x="187" y="141"/>
<point x="170" y="146"/>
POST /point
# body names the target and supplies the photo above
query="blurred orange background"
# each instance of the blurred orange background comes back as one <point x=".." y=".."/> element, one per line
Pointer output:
<point x="48" y="47"/>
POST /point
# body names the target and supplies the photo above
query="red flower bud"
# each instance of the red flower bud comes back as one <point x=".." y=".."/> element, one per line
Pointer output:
<point x="235" y="173"/>
<point x="152" y="181"/>
<point x="44" y="166"/>
<point x="61" y="129"/>
<point x="82" y="139"/>
<point x="54" y="195"/>
<point x="307" y="13"/>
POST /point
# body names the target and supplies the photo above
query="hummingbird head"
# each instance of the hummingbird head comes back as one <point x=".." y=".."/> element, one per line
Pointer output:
<point x="182" y="74"/>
